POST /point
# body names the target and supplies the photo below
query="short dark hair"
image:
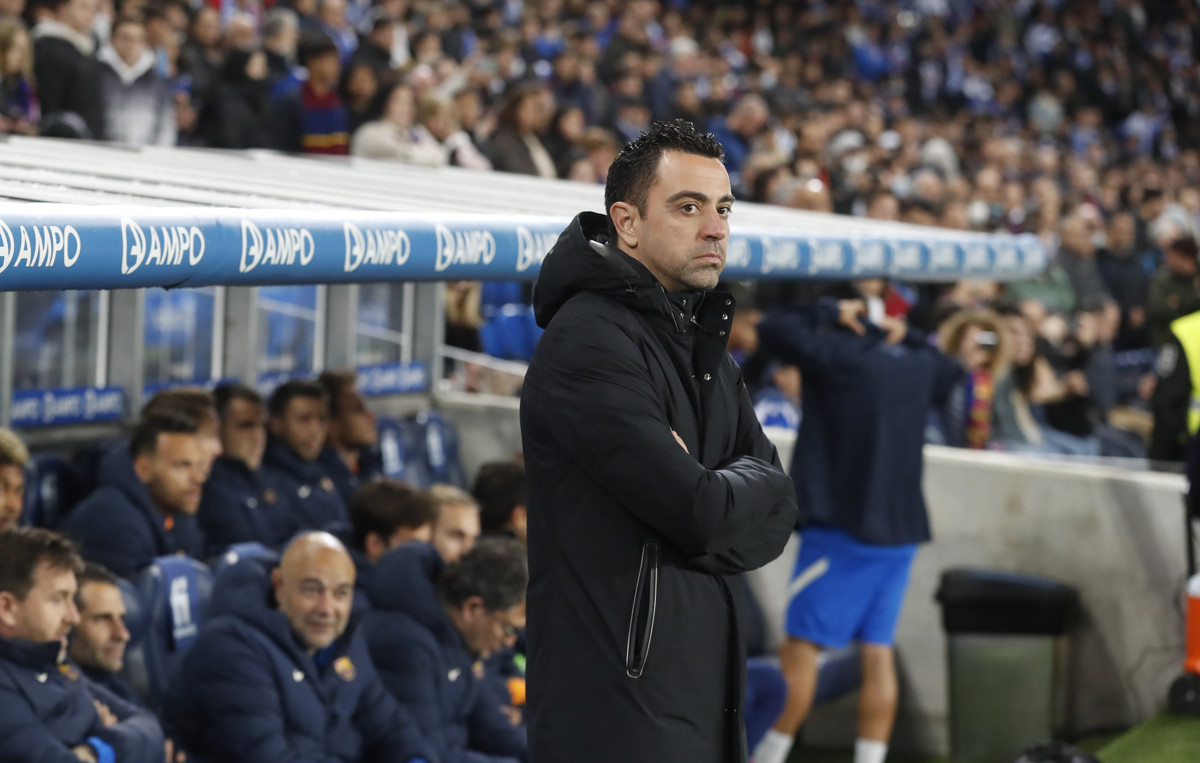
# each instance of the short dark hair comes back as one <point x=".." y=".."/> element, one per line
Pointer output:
<point x="24" y="548"/>
<point x="499" y="488"/>
<point x="290" y="390"/>
<point x="145" y="435"/>
<point x="225" y="394"/>
<point x="632" y="172"/>
<point x="191" y="402"/>
<point x="92" y="573"/>
<point x="496" y="570"/>
<point x="1184" y="246"/>
<point x="386" y="505"/>
<point x="314" y="45"/>
<point x="334" y="383"/>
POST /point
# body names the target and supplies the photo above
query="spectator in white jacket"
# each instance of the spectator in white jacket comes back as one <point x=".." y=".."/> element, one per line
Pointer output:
<point x="139" y="104"/>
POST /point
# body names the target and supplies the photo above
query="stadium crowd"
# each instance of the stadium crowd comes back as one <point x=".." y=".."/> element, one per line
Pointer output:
<point x="1072" y="120"/>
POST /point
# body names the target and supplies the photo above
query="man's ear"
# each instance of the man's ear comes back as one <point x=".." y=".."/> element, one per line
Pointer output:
<point x="8" y="611"/>
<point x="374" y="545"/>
<point x="143" y="467"/>
<point x="625" y="220"/>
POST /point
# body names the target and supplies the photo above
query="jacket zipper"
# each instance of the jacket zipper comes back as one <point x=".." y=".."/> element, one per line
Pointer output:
<point x="641" y="620"/>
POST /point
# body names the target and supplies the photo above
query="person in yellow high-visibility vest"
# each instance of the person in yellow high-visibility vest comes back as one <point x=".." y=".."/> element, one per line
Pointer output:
<point x="1176" y="401"/>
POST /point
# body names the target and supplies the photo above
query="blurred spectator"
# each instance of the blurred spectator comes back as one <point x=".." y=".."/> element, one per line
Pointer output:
<point x="737" y="132"/>
<point x="240" y="503"/>
<point x="1077" y="256"/>
<point x="66" y="70"/>
<point x="99" y="639"/>
<point x="448" y="618"/>
<point x="463" y="317"/>
<point x="280" y="41"/>
<point x="456" y="526"/>
<point x="19" y="107"/>
<point x="47" y="712"/>
<point x="202" y="56"/>
<point x="13" y="457"/>
<point x="359" y="91"/>
<point x="149" y="510"/>
<point x="777" y="404"/>
<point x="515" y="146"/>
<point x="393" y="134"/>
<point x="436" y="124"/>
<point x="1175" y="289"/>
<point x="139" y="104"/>
<point x="976" y="340"/>
<point x="501" y="492"/>
<point x="352" y="432"/>
<point x="298" y="421"/>
<point x="282" y="671"/>
<point x="237" y="115"/>
<point x="309" y="115"/>
<point x="1126" y="275"/>
<point x="333" y="21"/>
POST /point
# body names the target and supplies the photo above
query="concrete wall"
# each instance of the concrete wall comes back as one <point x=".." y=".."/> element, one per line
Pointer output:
<point x="1116" y="535"/>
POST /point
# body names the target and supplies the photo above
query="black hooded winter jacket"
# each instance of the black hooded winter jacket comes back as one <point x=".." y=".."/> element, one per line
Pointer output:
<point x="635" y="652"/>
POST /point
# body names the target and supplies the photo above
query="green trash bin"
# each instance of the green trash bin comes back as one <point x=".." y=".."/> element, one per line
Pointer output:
<point x="1006" y="643"/>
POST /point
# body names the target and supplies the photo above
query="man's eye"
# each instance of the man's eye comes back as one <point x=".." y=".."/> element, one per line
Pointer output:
<point x="689" y="208"/>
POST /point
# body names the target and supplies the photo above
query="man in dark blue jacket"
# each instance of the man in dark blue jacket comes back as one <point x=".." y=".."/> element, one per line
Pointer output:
<point x="241" y="504"/>
<point x="430" y="632"/>
<point x="385" y="514"/>
<point x="352" y="433"/>
<point x="98" y="642"/>
<point x="857" y="465"/>
<point x="149" y="508"/>
<point x="298" y="423"/>
<point x="49" y="712"/>
<point x="281" y="674"/>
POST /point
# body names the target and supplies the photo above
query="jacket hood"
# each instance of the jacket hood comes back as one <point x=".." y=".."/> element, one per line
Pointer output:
<point x="405" y="581"/>
<point x="116" y="470"/>
<point x="583" y="261"/>
<point x="245" y="592"/>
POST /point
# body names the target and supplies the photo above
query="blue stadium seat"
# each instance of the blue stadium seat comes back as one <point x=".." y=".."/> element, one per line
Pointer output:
<point x="441" y="449"/>
<point x="511" y="333"/>
<point x="497" y="294"/>
<point x="239" y="551"/>
<point x="48" y="482"/>
<point x="402" y="451"/>
<point x="175" y="591"/>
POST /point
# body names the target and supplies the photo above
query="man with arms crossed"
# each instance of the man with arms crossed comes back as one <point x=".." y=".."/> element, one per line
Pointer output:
<point x="649" y="476"/>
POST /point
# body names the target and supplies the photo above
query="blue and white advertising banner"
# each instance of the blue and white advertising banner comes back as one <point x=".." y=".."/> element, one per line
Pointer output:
<point x="53" y="246"/>
<point x="59" y="407"/>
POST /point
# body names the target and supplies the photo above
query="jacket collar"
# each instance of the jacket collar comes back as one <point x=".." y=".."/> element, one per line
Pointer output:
<point x="35" y="655"/>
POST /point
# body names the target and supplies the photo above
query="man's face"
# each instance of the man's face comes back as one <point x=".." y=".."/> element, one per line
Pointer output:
<point x="488" y="632"/>
<point x="303" y="426"/>
<point x="47" y="613"/>
<point x="355" y="424"/>
<point x="316" y="591"/>
<point x="129" y="40"/>
<point x="243" y="432"/>
<point x="80" y="15"/>
<point x="325" y="69"/>
<point x="455" y="531"/>
<point x="100" y="637"/>
<point x="174" y="473"/>
<point x="683" y="234"/>
<point x="12" y="495"/>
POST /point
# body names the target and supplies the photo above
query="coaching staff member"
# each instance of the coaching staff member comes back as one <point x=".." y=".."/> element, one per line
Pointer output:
<point x="649" y="476"/>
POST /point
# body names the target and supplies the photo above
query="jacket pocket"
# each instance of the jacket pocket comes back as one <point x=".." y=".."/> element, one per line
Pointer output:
<point x="641" y="620"/>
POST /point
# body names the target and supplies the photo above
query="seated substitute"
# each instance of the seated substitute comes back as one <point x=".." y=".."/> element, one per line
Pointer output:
<point x="281" y="674"/>
<point x="241" y="503"/>
<point x="352" y="433"/>
<point x="98" y="642"/>
<point x="502" y="494"/>
<point x="298" y="423"/>
<point x="430" y="637"/>
<point x="456" y="521"/>
<point x="385" y="514"/>
<point x="150" y="510"/>
<point x="49" y="712"/>
<point x="13" y="457"/>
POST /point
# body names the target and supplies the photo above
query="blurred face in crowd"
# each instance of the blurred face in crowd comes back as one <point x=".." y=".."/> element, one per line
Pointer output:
<point x="401" y="108"/>
<point x="355" y="425"/>
<point x="47" y="613"/>
<point x="79" y="15"/>
<point x="206" y="29"/>
<point x="977" y="348"/>
<point x="174" y="472"/>
<point x="314" y="588"/>
<point x="681" y="237"/>
<point x="488" y="632"/>
<point x="18" y="53"/>
<point x="12" y="495"/>
<point x="244" y="432"/>
<point x="455" y="530"/>
<point x="100" y="637"/>
<point x="324" y="70"/>
<point x="303" y="426"/>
